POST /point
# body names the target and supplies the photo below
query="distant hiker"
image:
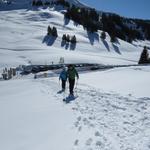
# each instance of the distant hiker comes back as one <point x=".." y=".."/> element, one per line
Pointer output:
<point x="72" y="73"/>
<point x="63" y="78"/>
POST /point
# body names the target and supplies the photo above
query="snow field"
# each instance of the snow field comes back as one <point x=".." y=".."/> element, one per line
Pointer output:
<point x="33" y="116"/>
<point x="112" y="109"/>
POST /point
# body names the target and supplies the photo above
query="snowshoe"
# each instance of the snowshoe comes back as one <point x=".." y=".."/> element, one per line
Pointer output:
<point x="69" y="98"/>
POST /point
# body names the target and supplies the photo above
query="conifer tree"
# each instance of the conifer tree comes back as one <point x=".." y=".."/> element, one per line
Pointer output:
<point x="68" y="38"/>
<point x="103" y="35"/>
<point x="73" y="40"/>
<point x="39" y="3"/>
<point x="33" y="3"/>
<point x="47" y="3"/>
<point x="49" y="30"/>
<point x="54" y="32"/>
<point x="144" y="58"/>
<point x="113" y="38"/>
<point x="64" y="37"/>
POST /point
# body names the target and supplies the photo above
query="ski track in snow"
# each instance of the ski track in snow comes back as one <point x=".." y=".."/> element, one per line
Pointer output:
<point x="107" y="120"/>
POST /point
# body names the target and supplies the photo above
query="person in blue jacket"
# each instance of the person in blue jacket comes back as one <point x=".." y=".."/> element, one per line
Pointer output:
<point x="63" y="78"/>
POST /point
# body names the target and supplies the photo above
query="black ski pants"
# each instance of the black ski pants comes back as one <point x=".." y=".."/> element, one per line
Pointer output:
<point x="71" y="85"/>
<point x="63" y="84"/>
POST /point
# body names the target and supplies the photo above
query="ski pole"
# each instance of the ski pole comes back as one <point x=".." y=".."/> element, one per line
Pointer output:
<point x="67" y="85"/>
<point x="76" y="88"/>
<point x="59" y="84"/>
<point x="64" y="94"/>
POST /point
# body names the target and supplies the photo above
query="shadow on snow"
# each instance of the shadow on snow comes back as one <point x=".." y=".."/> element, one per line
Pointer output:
<point x="49" y="40"/>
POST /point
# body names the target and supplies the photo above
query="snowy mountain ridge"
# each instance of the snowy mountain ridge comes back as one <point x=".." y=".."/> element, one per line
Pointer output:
<point x="27" y="3"/>
<point x="127" y="29"/>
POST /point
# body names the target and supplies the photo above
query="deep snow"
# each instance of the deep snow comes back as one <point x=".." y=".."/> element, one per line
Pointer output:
<point x="33" y="115"/>
<point x="112" y="111"/>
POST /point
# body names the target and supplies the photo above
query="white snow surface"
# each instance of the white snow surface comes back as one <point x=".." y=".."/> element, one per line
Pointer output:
<point x="112" y="108"/>
<point x="34" y="117"/>
<point x="127" y="81"/>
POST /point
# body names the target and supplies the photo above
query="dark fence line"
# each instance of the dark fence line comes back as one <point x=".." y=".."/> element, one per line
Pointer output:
<point x="79" y="66"/>
<point x="56" y="68"/>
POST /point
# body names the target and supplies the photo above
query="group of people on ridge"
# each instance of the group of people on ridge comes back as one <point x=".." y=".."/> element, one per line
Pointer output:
<point x="69" y="74"/>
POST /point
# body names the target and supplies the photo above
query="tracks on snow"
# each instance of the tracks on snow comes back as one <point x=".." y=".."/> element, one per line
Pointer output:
<point x="111" y="120"/>
<point x="107" y="120"/>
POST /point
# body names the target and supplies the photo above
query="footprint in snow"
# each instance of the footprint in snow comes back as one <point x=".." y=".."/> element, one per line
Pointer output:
<point x="80" y="128"/>
<point x="86" y="122"/>
<point x="97" y="133"/>
<point x="92" y="117"/>
<point x="76" y="124"/>
<point x="98" y="143"/>
<point x="75" y="108"/>
<point x="89" y="141"/>
<point x="76" y="142"/>
<point x="143" y="108"/>
<point x="79" y="118"/>
<point x="92" y="125"/>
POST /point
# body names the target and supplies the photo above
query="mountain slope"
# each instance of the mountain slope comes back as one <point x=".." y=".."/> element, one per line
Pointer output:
<point x="14" y="4"/>
<point x="127" y="29"/>
<point x="22" y="4"/>
<point x="23" y="32"/>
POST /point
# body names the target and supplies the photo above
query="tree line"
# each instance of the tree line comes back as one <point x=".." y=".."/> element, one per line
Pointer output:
<point x="116" y="26"/>
<point x="52" y="31"/>
<point x="50" y="3"/>
<point x="124" y="28"/>
<point x="89" y="18"/>
<point x="68" y="38"/>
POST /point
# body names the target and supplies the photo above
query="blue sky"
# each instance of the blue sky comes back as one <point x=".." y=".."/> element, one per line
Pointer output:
<point x="127" y="8"/>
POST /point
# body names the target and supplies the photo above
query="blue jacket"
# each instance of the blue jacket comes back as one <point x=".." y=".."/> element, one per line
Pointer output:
<point x="63" y="75"/>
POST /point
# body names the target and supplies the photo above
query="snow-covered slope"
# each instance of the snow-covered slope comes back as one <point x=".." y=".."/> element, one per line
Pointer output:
<point x="15" y="4"/>
<point x="22" y="41"/>
<point x="26" y="4"/>
<point x="111" y="111"/>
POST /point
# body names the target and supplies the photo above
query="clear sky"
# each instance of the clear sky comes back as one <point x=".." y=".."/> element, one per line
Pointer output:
<point x="127" y="8"/>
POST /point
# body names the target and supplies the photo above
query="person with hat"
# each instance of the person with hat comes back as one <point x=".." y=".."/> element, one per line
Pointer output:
<point x="71" y="74"/>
